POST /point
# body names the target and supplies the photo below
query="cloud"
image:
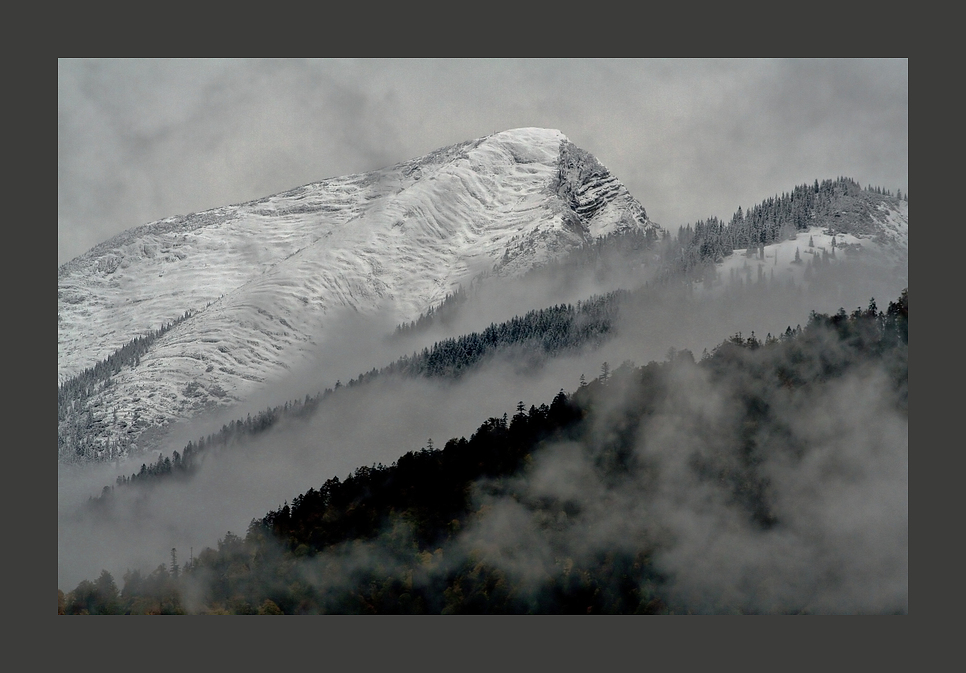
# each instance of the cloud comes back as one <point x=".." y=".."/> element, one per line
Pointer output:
<point x="841" y="539"/>
<point x="140" y="140"/>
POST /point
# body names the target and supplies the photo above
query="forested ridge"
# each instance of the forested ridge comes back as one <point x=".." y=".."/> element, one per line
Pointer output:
<point x="535" y="336"/>
<point x="841" y="205"/>
<point x="558" y="509"/>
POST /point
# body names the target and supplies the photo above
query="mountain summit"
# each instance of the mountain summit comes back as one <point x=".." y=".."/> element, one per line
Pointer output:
<point x="250" y="290"/>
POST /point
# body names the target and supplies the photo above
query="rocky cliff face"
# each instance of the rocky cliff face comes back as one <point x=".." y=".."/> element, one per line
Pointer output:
<point x="263" y="280"/>
<point x="595" y="195"/>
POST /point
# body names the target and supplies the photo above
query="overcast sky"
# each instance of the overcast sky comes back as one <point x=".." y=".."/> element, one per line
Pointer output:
<point x="143" y="140"/>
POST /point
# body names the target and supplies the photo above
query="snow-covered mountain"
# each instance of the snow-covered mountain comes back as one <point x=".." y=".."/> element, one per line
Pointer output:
<point x="263" y="280"/>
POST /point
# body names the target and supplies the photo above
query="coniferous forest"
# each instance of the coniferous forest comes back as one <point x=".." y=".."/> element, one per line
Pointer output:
<point x="726" y="484"/>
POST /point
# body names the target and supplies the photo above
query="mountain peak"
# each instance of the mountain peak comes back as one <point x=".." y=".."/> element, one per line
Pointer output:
<point x="529" y="140"/>
<point x="262" y="278"/>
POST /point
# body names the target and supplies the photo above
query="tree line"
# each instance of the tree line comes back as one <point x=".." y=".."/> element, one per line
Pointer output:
<point x="76" y="427"/>
<point x="537" y="335"/>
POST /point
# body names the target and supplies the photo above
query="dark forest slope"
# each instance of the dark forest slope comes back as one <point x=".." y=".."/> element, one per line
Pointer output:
<point x="727" y="485"/>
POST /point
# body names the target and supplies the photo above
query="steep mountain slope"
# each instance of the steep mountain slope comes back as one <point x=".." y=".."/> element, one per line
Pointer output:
<point x="263" y="280"/>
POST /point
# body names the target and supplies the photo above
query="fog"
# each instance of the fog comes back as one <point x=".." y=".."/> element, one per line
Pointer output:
<point x="841" y="541"/>
<point x="364" y="425"/>
<point x="844" y="507"/>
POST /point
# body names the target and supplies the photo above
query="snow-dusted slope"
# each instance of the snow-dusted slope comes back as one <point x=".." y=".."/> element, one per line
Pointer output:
<point x="263" y="278"/>
<point x="881" y="239"/>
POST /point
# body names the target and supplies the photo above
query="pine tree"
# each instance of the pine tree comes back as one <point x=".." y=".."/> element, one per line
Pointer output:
<point x="604" y="372"/>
